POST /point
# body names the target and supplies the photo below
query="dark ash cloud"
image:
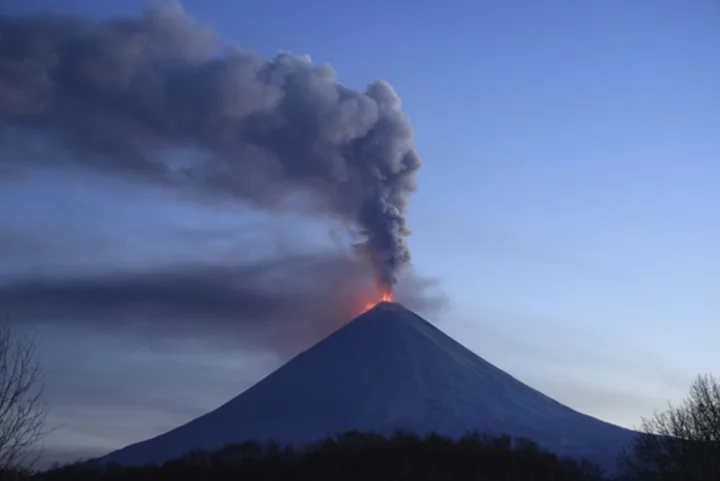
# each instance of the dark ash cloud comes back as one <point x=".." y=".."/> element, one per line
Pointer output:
<point x="153" y="98"/>
<point x="284" y="304"/>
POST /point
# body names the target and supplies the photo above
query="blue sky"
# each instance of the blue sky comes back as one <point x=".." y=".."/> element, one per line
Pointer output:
<point x="567" y="204"/>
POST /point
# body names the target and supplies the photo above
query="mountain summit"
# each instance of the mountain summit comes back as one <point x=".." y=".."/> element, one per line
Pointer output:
<point x="388" y="369"/>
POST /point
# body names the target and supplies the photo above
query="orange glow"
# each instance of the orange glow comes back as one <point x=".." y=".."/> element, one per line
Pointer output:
<point x="385" y="296"/>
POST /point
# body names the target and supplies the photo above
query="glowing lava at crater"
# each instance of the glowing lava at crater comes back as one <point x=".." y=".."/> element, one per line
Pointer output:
<point x="385" y="296"/>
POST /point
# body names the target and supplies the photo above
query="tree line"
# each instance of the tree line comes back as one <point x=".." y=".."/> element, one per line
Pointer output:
<point x="681" y="443"/>
<point x="356" y="456"/>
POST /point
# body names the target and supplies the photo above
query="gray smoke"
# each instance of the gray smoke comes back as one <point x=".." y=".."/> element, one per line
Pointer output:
<point x="265" y="303"/>
<point x="153" y="98"/>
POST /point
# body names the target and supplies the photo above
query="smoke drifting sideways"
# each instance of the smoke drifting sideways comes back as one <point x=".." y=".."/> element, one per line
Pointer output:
<point x="156" y="98"/>
<point x="281" y="304"/>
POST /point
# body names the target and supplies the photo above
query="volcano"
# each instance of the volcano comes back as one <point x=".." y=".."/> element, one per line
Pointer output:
<point x="386" y="370"/>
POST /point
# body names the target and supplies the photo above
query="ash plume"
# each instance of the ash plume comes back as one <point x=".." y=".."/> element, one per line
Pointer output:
<point x="156" y="98"/>
<point x="266" y="303"/>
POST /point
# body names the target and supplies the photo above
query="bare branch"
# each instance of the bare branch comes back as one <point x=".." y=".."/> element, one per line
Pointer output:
<point x="22" y="412"/>
<point x="681" y="443"/>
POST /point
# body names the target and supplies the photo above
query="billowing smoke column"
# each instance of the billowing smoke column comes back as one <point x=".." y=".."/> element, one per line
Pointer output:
<point x="152" y="98"/>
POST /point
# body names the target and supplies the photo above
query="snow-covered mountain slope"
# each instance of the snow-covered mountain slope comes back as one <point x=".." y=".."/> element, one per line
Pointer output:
<point x="387" y="369"/>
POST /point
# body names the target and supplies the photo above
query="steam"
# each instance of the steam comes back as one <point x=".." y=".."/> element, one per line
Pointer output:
<point x="154" y="99"/>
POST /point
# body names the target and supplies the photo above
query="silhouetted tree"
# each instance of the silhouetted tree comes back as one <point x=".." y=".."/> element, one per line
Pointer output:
<point x="22" y="412"/>
<point x="681" y="443"/>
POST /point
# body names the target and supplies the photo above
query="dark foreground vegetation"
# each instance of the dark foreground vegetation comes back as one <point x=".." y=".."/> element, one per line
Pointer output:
<point x="681" y="443"/>
<point x="356" y="456"/>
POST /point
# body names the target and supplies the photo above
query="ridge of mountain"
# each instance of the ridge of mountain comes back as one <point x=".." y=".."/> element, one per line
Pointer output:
<point x="387" y="369"/>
